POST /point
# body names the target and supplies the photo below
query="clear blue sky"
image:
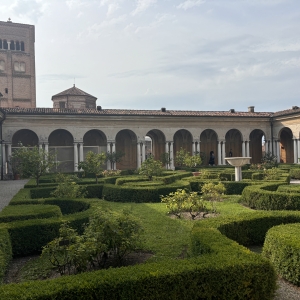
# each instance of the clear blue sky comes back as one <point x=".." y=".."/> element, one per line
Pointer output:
<point x="148" y="54"/>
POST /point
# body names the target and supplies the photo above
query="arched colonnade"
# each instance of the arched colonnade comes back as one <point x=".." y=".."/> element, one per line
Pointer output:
<point x="72" y="149"/>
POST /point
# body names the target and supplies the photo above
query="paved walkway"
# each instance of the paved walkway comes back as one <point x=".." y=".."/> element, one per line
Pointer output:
<point x="8" y="188"/>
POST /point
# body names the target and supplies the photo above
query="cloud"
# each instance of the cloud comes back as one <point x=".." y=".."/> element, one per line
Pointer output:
<point x="58" y="77"/>
<point x="142" y="5"/>
<point x="30" y="10"/>
<point x="72" y="4"/>
<point x="112" y="8"/>
<point x="190" y="4"/>
<point x="159" y="19"/>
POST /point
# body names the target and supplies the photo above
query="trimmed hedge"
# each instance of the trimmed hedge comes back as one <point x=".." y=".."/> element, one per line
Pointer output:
<point x="228" y="275"/>
<point x="282" y="248"/>
<point x="5" y="252"/>
<point x="118" y="193"/>
<point x="266" y="197"/>
<point x="295" y="173"/>
<point x="13" y="213"/>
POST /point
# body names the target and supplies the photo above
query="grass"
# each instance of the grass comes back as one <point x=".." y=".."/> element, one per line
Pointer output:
<point x="163" y="236"/>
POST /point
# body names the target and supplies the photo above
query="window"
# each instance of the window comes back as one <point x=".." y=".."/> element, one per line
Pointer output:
<point x="19" y="66"/>
<point x="62" y="104"/>
<point x="12" y="45"/>
<point x="6" y="90"/>
<point x="1" y="45"/>
<point x="18" y="46"/>
<point x="5" y="45"/>
<point x="22" y="46"/>
<point x="2" y="65"/>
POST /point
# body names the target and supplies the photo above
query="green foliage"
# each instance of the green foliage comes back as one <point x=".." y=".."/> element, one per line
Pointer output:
<point x="192" y="160"/>
<point x="213" y="193"/>
<point x="282" y="248"/>
<point x="140" y="194"/>
<point x="180" y="157"/>
<point x="271" y="174"/>
<point x="107" y="234"/>
<point x="269" y="161"/>
<point x="114" y="157"/>
<point x="295" y="173"/>
<point x="12" y="213"/>
<point x="182" y="201"/>
<point x="32" y="162"/>
<point x="166" y="159"/>
<point x="5" y="252"/>
<point x="68" y="187"/>
<point x="110" y="173"/>
<point x="151" y="167"/>
<point x="93" y="163"/>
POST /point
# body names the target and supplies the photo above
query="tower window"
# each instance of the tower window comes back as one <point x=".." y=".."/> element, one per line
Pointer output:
<point x="22" y="46"/>
<point x="2" y="65"/>
<point x="5" y="45"/>
<point x="12" y="45"/>
<point x="6" y="90"/>
<point x="1" y="44"/>
<point x="18" y="46"/>
<point x="19" y="66"/>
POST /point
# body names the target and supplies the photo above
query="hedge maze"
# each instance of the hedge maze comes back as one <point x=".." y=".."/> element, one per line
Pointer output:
<point x="217" y="264"/>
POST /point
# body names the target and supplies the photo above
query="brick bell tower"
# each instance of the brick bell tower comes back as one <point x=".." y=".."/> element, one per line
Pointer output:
<point x="17" y="65"/>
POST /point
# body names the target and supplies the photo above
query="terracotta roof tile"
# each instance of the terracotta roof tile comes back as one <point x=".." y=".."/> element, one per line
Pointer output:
<point x="131" y="112"/>
<point x="73" y="91"/>
<point x="293" y="110"/>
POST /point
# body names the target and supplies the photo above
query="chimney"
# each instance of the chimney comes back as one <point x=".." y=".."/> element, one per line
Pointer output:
<point x="295" y="107"/>
<point x="251" y="109"/>
<point x="99" y="108"/>
<point x="232" y="110"/>
<point x="163" y="109"/>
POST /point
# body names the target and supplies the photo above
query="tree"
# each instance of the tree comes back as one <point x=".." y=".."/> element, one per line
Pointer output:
<point x="114" y="157"/>
<point x="93" y="163"/>
<point x="166" y="159"/>
<point x="192" y="160"/>
<point x="151" y="167"/>
<point x="180" y="157"/>
<point x="32" y="162"/>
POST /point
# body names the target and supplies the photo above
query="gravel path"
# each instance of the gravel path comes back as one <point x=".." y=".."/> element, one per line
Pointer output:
<point x="8" y="188"/>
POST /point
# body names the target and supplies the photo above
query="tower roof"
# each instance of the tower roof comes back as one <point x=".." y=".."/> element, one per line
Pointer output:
<point x="73" y="91"/>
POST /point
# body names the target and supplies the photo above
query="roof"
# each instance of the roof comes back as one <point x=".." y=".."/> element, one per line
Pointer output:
<point x="73" y="91"/>
<point x="131" y="112"/>
<point x="293" y="110"/>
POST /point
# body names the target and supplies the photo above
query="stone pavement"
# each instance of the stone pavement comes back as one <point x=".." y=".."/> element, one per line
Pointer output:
<point x="8" y="188"/>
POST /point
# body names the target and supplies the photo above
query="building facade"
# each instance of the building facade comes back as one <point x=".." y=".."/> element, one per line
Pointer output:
<point x="17" y="65"/>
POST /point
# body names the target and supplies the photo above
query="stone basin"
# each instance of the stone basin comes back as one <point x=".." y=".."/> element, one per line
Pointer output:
<point x="238" y="162"/>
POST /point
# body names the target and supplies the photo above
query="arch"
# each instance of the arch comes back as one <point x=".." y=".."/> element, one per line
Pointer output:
<point x="94" y="140"/>
<point x="126" y="142"/>
<point x="158" y="142"/>
<point x="286" y="145"/>
<point x="255" y="145"/>
<point x="208" y="143"/>
<point x="233" y="142"/>
<point x="182" y="139"/>
<point x="26" y="137"/>
<point x="12" y="45"/>
<point x="61" y="142"/>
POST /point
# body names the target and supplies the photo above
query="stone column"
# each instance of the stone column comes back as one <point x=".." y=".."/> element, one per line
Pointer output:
<point x="223" y="153"/>
<point x="75" y="157"/>
<point x="143" y="151"/>
<point x="295" y="151"/>
<point x="198" y="149"/>
<point x="274" y="147"/>
<point x="219" y="153"/>
<point x="138" y="155"/>
<point x="40" y="146"/>
<point x="108" y="150"/>
<point x="113" y="150"/>
<point x="167" y="151"/>
<point x="248" y="149"/>
<point x="243" y="149"/>
<point x="4" y="158"/>
<point x="298" y="151"/>
<point x="8" y="45"/>
<point x="172" y="155"/>
<point x="278" y="151"/>
<point x="266" y="146"/>
<point x="193" y="148"/>
<point x="9" y="156"/>
<point x="81" y="151"/>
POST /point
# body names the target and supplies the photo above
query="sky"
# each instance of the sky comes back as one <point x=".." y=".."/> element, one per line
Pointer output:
<point x="180" y="54"/>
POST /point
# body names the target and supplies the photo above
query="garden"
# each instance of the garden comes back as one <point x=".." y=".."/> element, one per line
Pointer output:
<point x="152" y="233"/>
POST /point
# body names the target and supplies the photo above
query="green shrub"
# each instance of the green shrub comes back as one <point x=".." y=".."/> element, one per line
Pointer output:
<point x="295" y="173"/>
<point x="140" y="194"/>
<point x="12" y="213"/>
<point x="282" y="248"/>
<point x="44" y="192"/>
<point x="264" y="197"/>
<point x="5" y="252"/>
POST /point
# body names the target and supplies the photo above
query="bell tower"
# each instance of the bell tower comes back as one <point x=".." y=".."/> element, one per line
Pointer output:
<point x="17" y="65"/>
